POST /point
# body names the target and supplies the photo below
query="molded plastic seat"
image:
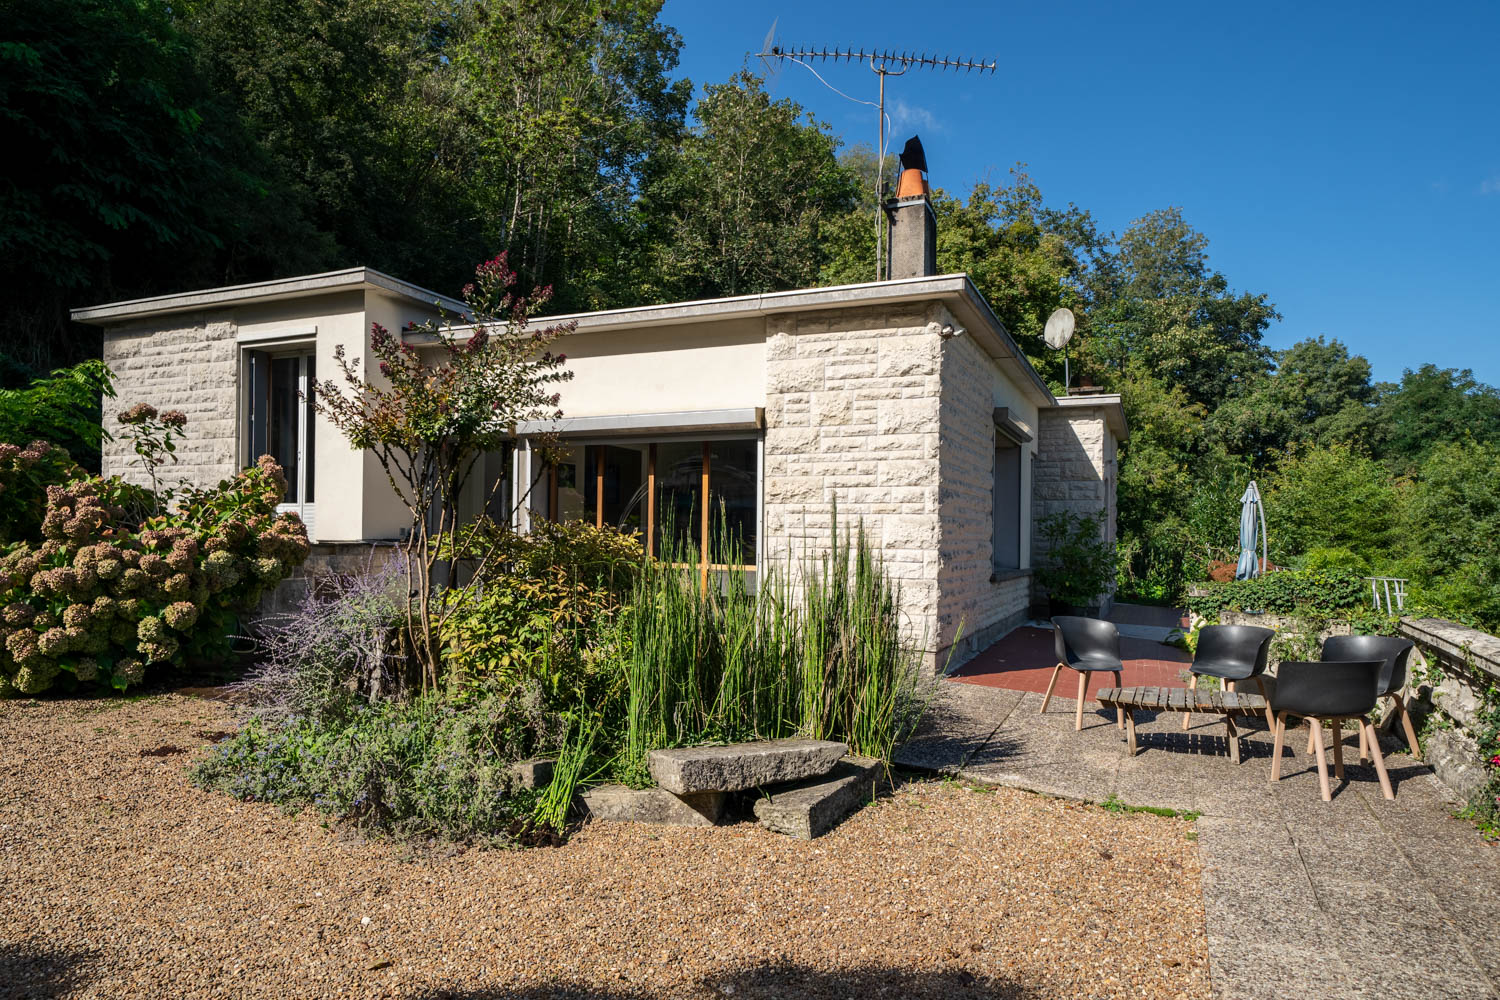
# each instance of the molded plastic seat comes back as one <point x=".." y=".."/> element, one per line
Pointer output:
<point x="1391" y="650"/>
<point x="1329" y="691"/>
<point x="1232" y="653"/>
<point x="1085" y="645"/>
<point x="1394" y="652"/>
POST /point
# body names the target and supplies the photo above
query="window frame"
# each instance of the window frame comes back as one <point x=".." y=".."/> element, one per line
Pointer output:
<point x="305" y="353"/>
<point x="548" y="508"/>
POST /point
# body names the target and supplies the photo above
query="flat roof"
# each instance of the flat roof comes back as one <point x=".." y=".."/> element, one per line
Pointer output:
<point x="956" y="290"/>
<point x="1110" y="402"/>
<point x="965" y="301"/>
<point x="348" y="279"/>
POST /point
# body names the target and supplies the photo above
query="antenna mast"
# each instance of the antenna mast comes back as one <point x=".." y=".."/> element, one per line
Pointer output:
<point x="883" y="63"/>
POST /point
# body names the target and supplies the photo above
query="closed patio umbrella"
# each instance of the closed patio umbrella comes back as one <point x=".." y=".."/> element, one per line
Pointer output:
<point x="1252" y="519"/>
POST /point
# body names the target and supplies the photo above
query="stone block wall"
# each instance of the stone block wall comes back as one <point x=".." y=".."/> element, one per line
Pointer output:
<point x="1074" y="472"/>
<point x="852" y="417"/>
<point x="1463" y="667"/>
<point x="975" y="606"/>
<point x="190" y="367"/>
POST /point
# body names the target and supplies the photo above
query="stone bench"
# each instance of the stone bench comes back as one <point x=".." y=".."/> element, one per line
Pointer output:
<point x="1201" y="700"/>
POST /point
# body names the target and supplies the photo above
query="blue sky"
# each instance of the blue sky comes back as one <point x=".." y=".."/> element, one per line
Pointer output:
<point x="1343" y="158"/>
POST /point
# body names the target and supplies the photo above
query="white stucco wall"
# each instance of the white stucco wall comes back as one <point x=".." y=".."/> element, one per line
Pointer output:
<point x="689" y="366"/>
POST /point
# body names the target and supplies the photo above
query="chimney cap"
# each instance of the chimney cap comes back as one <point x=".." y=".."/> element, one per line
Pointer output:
<point x="912" y="157"/>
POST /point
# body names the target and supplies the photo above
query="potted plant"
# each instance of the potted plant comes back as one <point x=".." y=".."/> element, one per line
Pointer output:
<point x="1079" y="565"/>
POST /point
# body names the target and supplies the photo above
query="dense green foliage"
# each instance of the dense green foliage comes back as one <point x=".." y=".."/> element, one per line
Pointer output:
<point x="223" y="140"/>
<point x="1078" y="566"/>
<point x="116" y="581"/>
<point x="582" y="649"/>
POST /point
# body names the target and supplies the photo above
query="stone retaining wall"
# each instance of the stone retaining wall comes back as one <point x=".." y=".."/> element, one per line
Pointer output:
<point x="1463" y="663"/>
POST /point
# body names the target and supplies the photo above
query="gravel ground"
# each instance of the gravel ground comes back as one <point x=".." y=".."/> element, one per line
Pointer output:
<point x="119" y="879"/>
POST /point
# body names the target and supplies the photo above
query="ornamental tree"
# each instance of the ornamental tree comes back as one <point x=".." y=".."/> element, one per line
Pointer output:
<point x="447" y="393"/>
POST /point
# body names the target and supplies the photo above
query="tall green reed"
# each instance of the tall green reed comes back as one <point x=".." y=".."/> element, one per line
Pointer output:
<point x="813" y="648"/>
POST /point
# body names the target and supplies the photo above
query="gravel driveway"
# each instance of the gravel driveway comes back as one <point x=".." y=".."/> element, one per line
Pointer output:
<point x="119" y="879"/>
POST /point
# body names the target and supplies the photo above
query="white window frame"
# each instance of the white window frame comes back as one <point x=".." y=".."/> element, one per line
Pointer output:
<point x="281" y="348"/>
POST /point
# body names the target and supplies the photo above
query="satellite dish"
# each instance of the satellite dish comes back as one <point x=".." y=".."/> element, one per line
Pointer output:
<point x="1059" y="329"/>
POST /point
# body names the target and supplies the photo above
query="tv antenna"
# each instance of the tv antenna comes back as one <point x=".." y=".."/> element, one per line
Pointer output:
<point x="1057" y="334"/>
<point x="884" y="63"/>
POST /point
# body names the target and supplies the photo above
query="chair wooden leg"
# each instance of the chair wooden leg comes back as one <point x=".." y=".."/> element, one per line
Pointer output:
<point x="1119" y="712"/>
<point x="1411" y="731"/>
<point x="1050" y="685"/>
<point x="1385" y="779"/>
<point x="1322" y="764"/>
<point x="1280" y="730"/>
<point x="1314" y="735"/>
<point x="1187" y="717"/>
<point x="1338" y="748"/>
<point x="1083" y="684"/>
<point x="1270" y="720"/>
<point x="1364" y="754"/>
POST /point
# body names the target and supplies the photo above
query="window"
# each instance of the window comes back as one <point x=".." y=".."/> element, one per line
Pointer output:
<point x="1007" y="506"/>
<point x="658" y="489"/>
<point x="280" y="419"/>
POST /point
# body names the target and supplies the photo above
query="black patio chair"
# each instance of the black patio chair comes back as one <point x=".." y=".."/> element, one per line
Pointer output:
<point x="1334" y="691"/>
<point x="1085" y="645"/>
<point x="1394" y="652"/>
<point x="1232" y="653"/>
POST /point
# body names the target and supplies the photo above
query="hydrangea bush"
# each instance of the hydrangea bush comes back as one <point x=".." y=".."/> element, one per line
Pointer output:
<point x="104" y="595"/>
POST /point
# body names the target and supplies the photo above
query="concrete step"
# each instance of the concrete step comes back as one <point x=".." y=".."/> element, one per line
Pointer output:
<point x="812" y="807"/>
<point x="742" y="766"/>
<point x="622" y="804"/>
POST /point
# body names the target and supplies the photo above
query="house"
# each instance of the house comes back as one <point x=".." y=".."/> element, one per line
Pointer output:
<point x="904" y="402"/>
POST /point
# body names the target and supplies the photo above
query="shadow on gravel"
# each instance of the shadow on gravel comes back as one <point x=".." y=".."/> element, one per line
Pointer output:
<point x="41" y="973"/>
<point x="786" y="982"/>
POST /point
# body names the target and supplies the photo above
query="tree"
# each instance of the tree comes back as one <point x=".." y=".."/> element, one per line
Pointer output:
<point x="742" y="203"/>
<point x="1158" y="301"/>
<point x="344" y="102"/>
<point x="1318" y="394"/>
<point x="560" y="104"/>
<point x="427" y="422"/>
<point x="1333" y="497"/>
<point x="1432" y="406"/>
<point x="125" y="172"/>
<point x="1452" y="523"/>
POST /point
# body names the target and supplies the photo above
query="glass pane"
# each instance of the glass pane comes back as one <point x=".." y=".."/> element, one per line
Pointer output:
<point x="572" y="476"/>
<point x="308" y="411"/>
<point x="732" y="502"/>
<point x="625" y="487"/>
<point x="679" y="475"/>
<point x="284" y="411"/>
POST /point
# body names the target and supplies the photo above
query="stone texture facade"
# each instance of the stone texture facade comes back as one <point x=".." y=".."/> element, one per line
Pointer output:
<point x="190" y="366"/>
<point x="873" y="410"/>
<point x="976" y="606"/>
<point x="1074" y="472"/>
<point x="852" y="417"/>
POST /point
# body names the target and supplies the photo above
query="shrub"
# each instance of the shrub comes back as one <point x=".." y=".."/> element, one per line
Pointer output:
<point x="101" y="597"/>
<point x="1332" y="592"/>
<point x="25" y="474"/>
<point x="337" y="645"/>
<point x="62" y="409"/>
<point x="1079" y="565"/>
<point x="425" y="767"/>
<point x="541" y="618"/>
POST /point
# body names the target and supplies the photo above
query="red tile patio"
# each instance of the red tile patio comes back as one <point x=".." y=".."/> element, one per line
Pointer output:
<point x="1023" y="661"/>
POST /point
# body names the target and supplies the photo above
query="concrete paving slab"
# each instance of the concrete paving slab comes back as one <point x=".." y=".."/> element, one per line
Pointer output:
<point x="1357" y="897"/>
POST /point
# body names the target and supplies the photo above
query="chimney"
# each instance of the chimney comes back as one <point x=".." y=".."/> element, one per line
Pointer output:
<point x="910" y="220"/>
